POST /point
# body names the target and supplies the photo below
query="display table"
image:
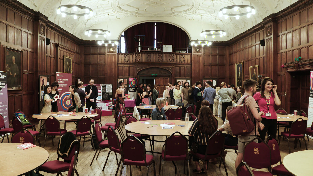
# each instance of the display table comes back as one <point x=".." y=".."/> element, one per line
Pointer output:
<point x="299" y="163"/>
<point x="153" y="127"/>
<point x="129" y="103"/>
<point x="16" y="161"/>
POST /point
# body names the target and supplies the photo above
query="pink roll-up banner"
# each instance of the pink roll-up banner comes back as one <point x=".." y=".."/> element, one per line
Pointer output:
<point x="4" y="108"/>
<point x="64" y="80"/>
<point x="310" y="109"/>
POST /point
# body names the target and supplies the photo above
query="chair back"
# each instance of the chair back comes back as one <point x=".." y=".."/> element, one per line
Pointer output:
<point x="118" y="121"/>
<point x="113" y="140"/>
<point x="215" y="143"/>
<point x="178" y="113"/>
<point x="281" y="111"/>
<point x="130" y="119"/>
<point x="193" y="117"/>
<point x="176" y="145"/>
<point x="194" y="109"/>
<point x="72" y="165"/>
<point x="257" y="155"/>
<point x="84" y="124"/>
<point x="275" y="152"/>
<point x="2" y="125"/>
<point x="23" y="136"/>
<point x="133" y="149"/>
<point x="68" y="144"/>
<point x="98" y="132"/>
<point x="17" y="125"/>
<point x="302" y="113"/>
<point x="189" y="109"/>
<point x="170" y="114"/>
<point x="52" y="124"/>
<point x="98" y="111"/>
<point x="243" y="170"/>
<point x="298" y="127"/>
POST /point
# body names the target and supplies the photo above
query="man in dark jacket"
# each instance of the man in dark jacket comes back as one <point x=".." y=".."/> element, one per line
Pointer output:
<point x="197" y="97"/>
<point x="93" y="91"/>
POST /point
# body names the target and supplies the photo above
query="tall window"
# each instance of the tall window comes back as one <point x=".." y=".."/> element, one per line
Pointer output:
<point x="155" y="41"/>
<point x="123" y="44"/>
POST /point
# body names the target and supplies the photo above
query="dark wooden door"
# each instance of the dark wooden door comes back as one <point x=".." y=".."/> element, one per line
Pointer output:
<point x="161" y="82"/>
<point x="300" y="91"/>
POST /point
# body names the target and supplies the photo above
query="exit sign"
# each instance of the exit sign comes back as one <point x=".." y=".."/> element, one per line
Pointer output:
<point x="154" y="74"/>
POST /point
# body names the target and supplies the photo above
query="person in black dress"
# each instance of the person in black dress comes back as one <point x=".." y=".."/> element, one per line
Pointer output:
<point x="55" y="96"/>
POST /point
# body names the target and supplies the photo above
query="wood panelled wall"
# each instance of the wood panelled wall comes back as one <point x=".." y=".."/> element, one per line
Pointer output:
<point x="100" y="64"/>
<point x="25" y="30"/>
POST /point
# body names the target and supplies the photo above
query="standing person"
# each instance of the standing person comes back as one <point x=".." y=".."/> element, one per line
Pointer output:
<point x="191" y="96"/>
<point x="145" y="96"/>
<point x="202" y="128"/>
<point x="250" y="89"/>
<point x="209" y="94"/>
<point x="169" y="93"/>
<point x="185" y="94"/>
<point x="225" y="99"/>
<point x="55" y="96"/>
<point x="177" y="94"/>
<point x="267" y="99"/>
<point x="139" y="94"/>
<point x="47" y="100"/>
<point x="82" y="95"/>
<point x="197" y="97"/>
<point x="158" y="112"/>
<point x="155" y="94"/>
<point x="74" y="96"/>
<point x="149" y="94"/>
<point x="232" y="92"/>
<point x="119" y="93"/>
<point x="239" y="94"/>
<point x="91" y="101"/>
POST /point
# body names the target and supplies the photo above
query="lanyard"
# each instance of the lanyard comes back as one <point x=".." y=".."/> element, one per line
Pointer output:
<point x="268" y="102"/>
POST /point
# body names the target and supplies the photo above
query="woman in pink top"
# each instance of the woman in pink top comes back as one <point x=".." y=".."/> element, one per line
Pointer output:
<point x="267" y="99"/>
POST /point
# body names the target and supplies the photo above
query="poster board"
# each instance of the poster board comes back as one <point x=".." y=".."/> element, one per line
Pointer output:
<point x="107" y="92"/>
<point x="310" y="109"/>
<point x="4" y="98"/>
<point x="132" y="84"/>
<point x="239" y="74"/>
<point x="64" y="80"/>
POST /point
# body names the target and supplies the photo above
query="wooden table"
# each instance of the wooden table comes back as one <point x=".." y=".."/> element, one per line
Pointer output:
<point x="299" y="163"/>
<point x="289" y="118"/>
<point x="63" y="115"/>
<point x="150" y="107"/>
<point x="153" y="128"/>
<point x="16" y="161"/>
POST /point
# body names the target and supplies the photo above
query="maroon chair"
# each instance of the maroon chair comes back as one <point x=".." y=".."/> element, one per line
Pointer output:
<point x="170" y="114"/>
<point x="194" y="109"/>
<point x="144" y="119"/>
<point x="134" y="153"/>
<point x="68" y="145"/>
<point x="178" y="113"/>
<point x="112" y="124"/>
<point x="175" y="149"/>
<point x="281" y="111"/>
<point x="297" y="131"/>
<point x="276" y="158"/>
<point x="3" y="130"/>
<point x="139" y="136"/>
<point x="116" y="125"/>
<point x="97" y="119"/>
<point x="193" y="117"/>
<point x="302" y="113"/>
<point x="101" y="143"/>
<point x="83" y="128"/>
<point x="18" y="126"/>
<point x="258" y="156"/>
<point x="33" y="127"/>
<point x="23" y="137"/>
<point x="282" y="124"/>
<point x="72" y="165"/>
<point x="309" y="131"/>
<point x="114" y="145"/>
<point x="189" y="109"/>
<point x="243" y="170"/>
<point x="52" y="128"/>
<point x="215" y="149"/>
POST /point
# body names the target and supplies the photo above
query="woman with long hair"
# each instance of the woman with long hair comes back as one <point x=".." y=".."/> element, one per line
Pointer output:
<point x="202" y="128"/>
<point x="55" y="96"/>
<point x="75" y="98"/>
<point x="47" y="100"/>
<point x="267" y="99"/>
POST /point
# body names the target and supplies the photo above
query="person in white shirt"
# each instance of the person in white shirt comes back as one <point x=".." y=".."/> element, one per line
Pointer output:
<point x="177" y="94"/>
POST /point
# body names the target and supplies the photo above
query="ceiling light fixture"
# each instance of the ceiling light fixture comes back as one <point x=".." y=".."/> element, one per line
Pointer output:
<point x="106" y="43"/>
<point x="200" y="42"/>
<point x="237" y="11"/>
<point x="75" y="11"/>
<point x="212" y="33"/>
<point x="97" y="32"/>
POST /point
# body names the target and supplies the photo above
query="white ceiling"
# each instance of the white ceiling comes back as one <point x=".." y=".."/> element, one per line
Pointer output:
<point x="191" y="15"/>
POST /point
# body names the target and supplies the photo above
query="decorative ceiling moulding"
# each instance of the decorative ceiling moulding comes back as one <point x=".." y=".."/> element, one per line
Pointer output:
<point x="297" y="6"/>
<point x="19" y="8"/>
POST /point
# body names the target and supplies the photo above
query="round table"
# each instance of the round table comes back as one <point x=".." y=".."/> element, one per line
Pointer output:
<point x="299" y="163"/>
<point x="153" y="128"/>
<point x="150" y="107"/>
<point x="63" y="115"/>
<point x="16" y="161"/>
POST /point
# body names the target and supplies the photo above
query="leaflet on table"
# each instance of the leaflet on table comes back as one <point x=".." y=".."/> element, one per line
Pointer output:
<point x="26" y="146"/>
<point x="166" y="126"/>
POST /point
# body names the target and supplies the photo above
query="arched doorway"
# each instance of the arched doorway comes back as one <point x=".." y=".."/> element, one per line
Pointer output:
<point x="155" y="76"/>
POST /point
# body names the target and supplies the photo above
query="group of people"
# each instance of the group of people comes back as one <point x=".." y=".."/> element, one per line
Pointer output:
<point x="147" y="95"/>
<point x="77" y="94"/>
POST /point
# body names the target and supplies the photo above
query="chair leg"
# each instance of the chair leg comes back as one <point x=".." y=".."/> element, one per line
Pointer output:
<point x="7" y="138"/>
<point x="184" y="166"/>
<point x="130" y="170"/>
<point x="118" y="166"/>
<point x="160" y="165"/>
<point x="106" y="160"/>
<point x="288" y="144"/>
<point x="76" y="172"/>
<point x="116" y="158"/>
<point x="94" y="156"/>
<point x="306" y="147"/>
<point x="154" y="168"/>
<point x="98" y="154"/>
<point x="84" y="141"/>
<point x="148" y="170"/>
<point x="188" y="168"/>
<point x="175" y="167"/>
<point x="225" y="166"/>
<point x="52" y="140"/>
<point x="307" y="137"/>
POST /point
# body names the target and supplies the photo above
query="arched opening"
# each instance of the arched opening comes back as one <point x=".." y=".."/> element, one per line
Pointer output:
<point x="153" y="35"/>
